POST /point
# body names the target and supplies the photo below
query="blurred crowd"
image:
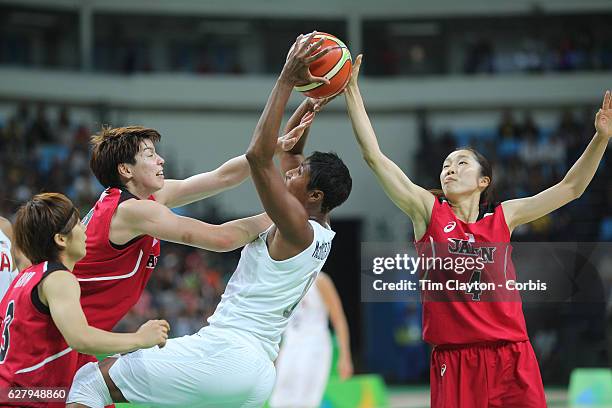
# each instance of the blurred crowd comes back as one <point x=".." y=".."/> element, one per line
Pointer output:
<point x="40" y="153"/>
<point x="528" y="158"/>
<point x="579" y="52"/>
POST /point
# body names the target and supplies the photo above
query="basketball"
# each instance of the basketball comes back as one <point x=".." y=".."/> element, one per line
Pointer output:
<point x="336" y="66"/>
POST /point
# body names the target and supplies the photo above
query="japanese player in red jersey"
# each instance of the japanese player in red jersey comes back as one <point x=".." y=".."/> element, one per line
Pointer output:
<point x="482" y="356"/>
<point x="43" y="323"/>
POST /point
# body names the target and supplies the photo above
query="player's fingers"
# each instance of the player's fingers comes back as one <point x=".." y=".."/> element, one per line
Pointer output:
<point x="308" y="116"/>
<point x="303" y="43"/>
<point x="313" y="48"/>
<point x="318" y="79"/>
<point x="310" y="37"/>
<point x="609" y="100"/>
<point x="301" y="127"/>
<point x="312" y="58"/>
<point x="357" y="63"/>
<point x="606" y="101"/>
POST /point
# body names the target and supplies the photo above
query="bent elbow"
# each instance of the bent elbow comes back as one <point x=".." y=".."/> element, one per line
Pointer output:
<point x="80" y="345"/>
<point x="225" y="241"/>
<point x="575" y="191"/>
<point x="372" y="159"/>
<point x="254" y="156"/>
<point x="227" y="244"/>
<point x="577" y="194"/>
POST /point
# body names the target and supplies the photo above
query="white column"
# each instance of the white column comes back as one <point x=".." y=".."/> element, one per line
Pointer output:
<point x="355" y="33"/>
<point x="86" y="35"/>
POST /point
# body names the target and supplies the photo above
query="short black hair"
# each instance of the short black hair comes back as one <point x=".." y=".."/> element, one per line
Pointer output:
<point x="329" y="174"/>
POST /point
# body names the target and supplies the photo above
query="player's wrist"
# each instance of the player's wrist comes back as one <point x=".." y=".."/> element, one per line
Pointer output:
<point x="601" y="136"/>
<point x="138" y="340"/>
<point x="285" y="80"/>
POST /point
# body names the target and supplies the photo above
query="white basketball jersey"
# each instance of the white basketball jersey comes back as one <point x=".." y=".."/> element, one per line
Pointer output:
<point x="7" y="264"/>
<point x="262" y="293"/>
<point x="310" y="317"/>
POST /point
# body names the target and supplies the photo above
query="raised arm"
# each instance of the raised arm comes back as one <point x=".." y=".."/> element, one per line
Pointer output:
<point x="146" y="217"/>
<point x="338" y="320"/>
<point x="61" y="292"/>
<point x="297" y="129"/>
<point x="284" y="209"/>
<point x="524" y="210"/>
<point x="294" y="157"/>
<point x="230" y="174"/>
<point x="414" y="200"/>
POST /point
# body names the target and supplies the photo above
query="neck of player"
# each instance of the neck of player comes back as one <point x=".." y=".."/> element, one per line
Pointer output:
<point x="139" y="191"/>
<point x="67" y="261"/>
<point x="466" y="208"/>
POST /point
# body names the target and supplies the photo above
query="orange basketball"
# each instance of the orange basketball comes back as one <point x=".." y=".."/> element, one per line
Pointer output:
<point x="336" y="66"/>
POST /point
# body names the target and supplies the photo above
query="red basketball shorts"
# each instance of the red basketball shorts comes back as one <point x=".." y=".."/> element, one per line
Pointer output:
<point x="504" y="374"/>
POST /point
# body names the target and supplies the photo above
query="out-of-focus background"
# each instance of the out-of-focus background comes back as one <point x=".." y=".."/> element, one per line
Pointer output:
<point x="519" y="80"/>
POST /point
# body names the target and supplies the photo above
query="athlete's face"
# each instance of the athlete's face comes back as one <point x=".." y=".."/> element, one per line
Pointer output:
<point x="461" y="175"/>
<point x="76" y="242"/>
<point x="149" y="168"/>
<point x="297" y="181"/>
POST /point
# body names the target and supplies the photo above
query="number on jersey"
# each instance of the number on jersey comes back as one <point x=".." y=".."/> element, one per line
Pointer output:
<point x="287" y="313"/>
<point x="6" y="335"/>
<point x="474" y="291"/>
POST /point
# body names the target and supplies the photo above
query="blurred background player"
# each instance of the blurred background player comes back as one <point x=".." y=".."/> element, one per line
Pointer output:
<point x="471" y="337"/>
<point x="305" y="357"/>
<point x="8" y="269"/>
<point x="43" y="324"/>
<point x="230" y="362"/>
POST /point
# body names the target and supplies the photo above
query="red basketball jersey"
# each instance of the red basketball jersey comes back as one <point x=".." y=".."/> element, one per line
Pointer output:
<point x="112" y="277"/>
<point x="456" y="316"/>
<point x="33" y="351"/>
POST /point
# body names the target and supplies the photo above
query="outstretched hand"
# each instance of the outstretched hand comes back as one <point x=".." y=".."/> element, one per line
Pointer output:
<point x="603" y="118"/>
<point x="287" y="142"/>
<point x="301" y="55"/>
<point x="355" y="74"/>
<point x="318" y="103"/>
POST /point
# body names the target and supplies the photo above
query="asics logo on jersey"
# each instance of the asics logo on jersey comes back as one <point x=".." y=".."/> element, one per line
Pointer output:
<point x="442" y="370"/>
<point x="322" y="250"/>
<point x="451" y="226"/>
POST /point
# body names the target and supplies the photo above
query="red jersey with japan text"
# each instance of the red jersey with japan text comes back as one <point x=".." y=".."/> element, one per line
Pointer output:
<point x="461" y="313"/>
<point x="33" y="353"/>
<point x="112" y="277"/>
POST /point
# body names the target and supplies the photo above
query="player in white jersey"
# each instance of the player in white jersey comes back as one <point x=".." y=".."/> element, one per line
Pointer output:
<point x="230" y="362"/>
<point x="8" y="270"/>
<point x="303" y="364"/>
